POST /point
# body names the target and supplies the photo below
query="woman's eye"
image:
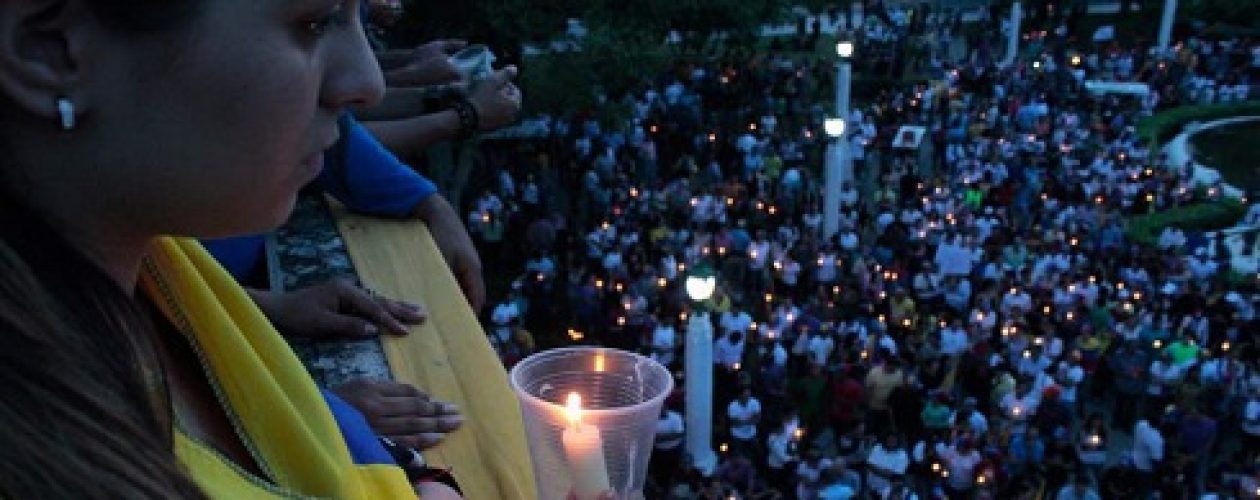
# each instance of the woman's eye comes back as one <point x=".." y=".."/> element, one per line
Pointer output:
<point x="338" y="16"/>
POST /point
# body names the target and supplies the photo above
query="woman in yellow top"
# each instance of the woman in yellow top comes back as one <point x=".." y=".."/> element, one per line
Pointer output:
<point x="132" y="366"/>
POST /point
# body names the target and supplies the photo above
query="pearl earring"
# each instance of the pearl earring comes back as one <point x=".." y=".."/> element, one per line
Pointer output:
<point x="65" y="108"/>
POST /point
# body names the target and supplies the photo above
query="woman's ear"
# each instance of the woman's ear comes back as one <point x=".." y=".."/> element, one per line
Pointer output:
<point x="41" y="44"/>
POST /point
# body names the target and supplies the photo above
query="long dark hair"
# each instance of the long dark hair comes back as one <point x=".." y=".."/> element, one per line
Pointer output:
<point x="82" y="402"/>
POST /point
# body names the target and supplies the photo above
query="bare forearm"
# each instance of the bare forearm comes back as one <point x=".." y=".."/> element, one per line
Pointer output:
<point x="399" y="103"/>
<point x="409" y="137"/>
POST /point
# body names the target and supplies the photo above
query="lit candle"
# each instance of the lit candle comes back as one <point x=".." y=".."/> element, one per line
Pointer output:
<point x="1095" y="441"/>
<point x="1017" y="411"/>
<point x="936" y="467"/>
<point x="661" y="282"/>
<point x="1158" y="344"/>
<point x="584" y="451"/>
<point x="682" y="316"/>
<point x="1225" y="346"/>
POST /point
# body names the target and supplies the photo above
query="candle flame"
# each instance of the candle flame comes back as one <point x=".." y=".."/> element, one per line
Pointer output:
<point x="573" y="409"/>
<point x="599" y="365"/>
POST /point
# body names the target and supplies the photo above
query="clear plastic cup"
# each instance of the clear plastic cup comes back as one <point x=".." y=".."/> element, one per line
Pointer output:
<point x="621" y="397"/>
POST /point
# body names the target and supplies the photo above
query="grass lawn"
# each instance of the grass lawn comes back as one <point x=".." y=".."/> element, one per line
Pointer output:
<point x="1232" y="150"/>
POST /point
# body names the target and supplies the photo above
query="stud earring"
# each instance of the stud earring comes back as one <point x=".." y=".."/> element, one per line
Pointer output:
<point x="65" y="108"/>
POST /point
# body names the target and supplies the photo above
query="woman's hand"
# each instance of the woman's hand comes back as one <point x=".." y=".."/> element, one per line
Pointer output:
<point x="336" y="308"/>
<point x="400" y="412"/>
<point x="497" y="99"/>
<point x="456" y="246"/>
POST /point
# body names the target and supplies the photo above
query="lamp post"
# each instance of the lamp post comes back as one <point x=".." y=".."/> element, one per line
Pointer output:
<point x="1012" y="38"/>
<point x="839" y="167"/>
<point x="698" y="365"/>
<point x="1165" y="26"/>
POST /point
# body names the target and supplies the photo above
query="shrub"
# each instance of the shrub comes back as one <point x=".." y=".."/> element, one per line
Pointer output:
<point x="1162" y="127"/>
<point x="1202" y="216"/>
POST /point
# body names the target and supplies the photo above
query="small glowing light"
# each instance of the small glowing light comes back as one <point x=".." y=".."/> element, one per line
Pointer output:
<point x="778" y="266"/>
<point x="1120" y="285"/>
<point x="730" y="201"/>
<point x="1071" y="316"/>
<point x="600" y="363"/>
<point x="621" y="321"/>
<point x="575" y="335"/>
<point x="761" y="206"/>
<point x="1095" y="440"/>
<point x="1158" y="344"/>
<point x="619" y="287"/>
<point x="1017" y="411"/>
<point x="599" y="283"/>
<point x="485" y="218"/>
<point x="682" y="316"/>
<point x="652" y="129"/>
<point x="735" y="366"/>
<point x="1027" y="353"/>
<point x="682" y="268"/>
<point x="1225" y="346"/>
<point x="695" y="201"/>
<point x="752" y="126"/>
<point x="1137" y="296"/>
<point x="712" y="137"/>
<point x="798" y="434"/>
<point x="724" y="447"/>
<point x="820" y="262"/>
<point x="722" y="251"/>
<point x="573" y="409"/>
<point x="662" y="282"/>
<point x="769" y="297"/>
<point x="844" y="49"/>
<point x="835" y="290"/>
<point x="865" y="354"/>
<point x="634" y="192"/>
<point x="1047" y="310"/>
<point x="936" y="467"/>
<point x="772" y="210"/>
<point x="906" y="323"/>
<point x="882" y="318"/>
<point x="981" y="479"/>
<point x="1038" y="341"/>
<point x="705" y="250"/>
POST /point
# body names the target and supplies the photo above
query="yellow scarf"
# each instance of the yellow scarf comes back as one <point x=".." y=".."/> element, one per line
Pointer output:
<point x="266" y="391"/>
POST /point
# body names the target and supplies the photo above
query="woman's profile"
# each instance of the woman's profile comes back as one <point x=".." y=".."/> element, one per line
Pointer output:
<point x="134" y="366"/>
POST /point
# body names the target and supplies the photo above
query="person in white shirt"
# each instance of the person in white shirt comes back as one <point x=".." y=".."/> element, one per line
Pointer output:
<point x="820" y="347"/>
<point x="744" y="414"/>
<point x="728" y="351"/>
<point x="954" y="339"/>
<point x="1148" y="452"/>
<point x="961" y="461"/>
<point x="782" y="454"/>
<point x="667" y="454"/>
<point x="886" y="461"/>
<point x="664" y="343"/>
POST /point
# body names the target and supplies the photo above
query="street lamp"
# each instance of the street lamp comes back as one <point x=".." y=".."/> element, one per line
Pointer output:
<point x="698" y="365"/>
<point x="844" y="49"/>
<point x="838" y="167"/>
<point x="834" y="127"/>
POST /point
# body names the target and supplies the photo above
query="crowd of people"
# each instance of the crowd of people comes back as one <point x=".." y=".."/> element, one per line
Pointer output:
<point x="980" y="326"/>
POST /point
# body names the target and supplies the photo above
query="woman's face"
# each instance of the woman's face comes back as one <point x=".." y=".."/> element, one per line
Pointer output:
<point x="211" y="130"/>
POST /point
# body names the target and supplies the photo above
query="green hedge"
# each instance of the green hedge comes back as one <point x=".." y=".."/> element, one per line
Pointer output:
<point x="1162" y="127"/>
<point x="1202" y="216"/>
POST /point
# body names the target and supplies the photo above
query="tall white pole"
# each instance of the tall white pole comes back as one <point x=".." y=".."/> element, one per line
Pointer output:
<point x="831" y="190"/>
<point x="836" y="171"/>
<point x="698" y="365"/>
<point x="1012" y="38"/>
<point x="1166" y="25"/>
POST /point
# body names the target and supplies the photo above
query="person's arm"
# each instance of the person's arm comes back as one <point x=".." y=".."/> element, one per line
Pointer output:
<point x="456" y="246"/>
<point x="494" y="104"/>
<point x="399" y="103"/>
<point x="409" y="137"/>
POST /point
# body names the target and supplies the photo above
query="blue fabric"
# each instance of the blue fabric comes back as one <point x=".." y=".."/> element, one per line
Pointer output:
<point x="365" y="447"/>
<point x="373" y="181"/>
